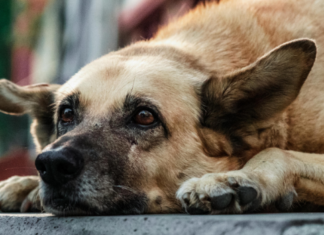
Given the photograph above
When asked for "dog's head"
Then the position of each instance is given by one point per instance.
(126, 131)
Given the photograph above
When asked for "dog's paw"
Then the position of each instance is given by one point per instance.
(20, 194)
(232, 192)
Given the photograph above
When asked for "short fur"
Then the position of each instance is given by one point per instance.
(239, 99)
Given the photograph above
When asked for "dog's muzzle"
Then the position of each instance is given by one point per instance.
(63, 193)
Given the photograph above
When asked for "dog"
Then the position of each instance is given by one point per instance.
(221, 112)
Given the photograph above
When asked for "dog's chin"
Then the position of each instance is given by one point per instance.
(73, 204)
(67, 207)
(69, 211)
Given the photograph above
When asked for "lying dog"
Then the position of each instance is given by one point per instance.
(213, 115)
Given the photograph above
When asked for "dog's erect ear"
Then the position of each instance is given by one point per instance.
(260, 90)
(35, 100)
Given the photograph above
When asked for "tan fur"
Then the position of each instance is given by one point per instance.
(240, 59)
(19, 191)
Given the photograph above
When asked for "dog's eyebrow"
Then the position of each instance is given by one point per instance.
(132, 102)
(72, 100)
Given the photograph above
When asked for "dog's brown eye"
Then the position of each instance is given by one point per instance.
(144, 117)
(67, 115)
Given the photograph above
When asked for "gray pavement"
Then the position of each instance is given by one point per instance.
(260, 224)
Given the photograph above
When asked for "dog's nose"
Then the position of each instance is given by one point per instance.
(57, 167)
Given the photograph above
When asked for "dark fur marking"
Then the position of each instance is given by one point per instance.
(181, 175)
(158, 200)
(43, 114)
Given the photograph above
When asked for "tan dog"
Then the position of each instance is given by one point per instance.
(213, 115)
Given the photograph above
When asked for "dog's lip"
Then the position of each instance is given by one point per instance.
(64, 205)
(61, 201)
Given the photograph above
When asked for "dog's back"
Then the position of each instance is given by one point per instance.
(234, 33)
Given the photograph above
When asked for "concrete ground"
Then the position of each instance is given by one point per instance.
(259, 224)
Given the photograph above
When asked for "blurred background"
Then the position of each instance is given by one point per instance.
(50, 40)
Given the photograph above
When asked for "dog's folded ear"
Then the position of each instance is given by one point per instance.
(36, 100)
(260, 90)
(18, 100)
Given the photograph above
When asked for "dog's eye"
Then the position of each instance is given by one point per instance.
(67, 115)
(144, 117)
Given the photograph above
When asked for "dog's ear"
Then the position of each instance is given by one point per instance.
(18, 100)
(260, 90)
(33, 99)
(36, 100)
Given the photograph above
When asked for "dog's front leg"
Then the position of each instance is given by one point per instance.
(272, 176)
(20, 194)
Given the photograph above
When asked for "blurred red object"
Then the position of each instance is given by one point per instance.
(142, 21)
(16, 163)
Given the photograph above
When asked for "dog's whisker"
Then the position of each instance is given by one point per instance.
(125, 187)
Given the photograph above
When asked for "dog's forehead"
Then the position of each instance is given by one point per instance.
(106, 82)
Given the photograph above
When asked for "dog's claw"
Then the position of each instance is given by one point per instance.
(197, 209)
(186, 198)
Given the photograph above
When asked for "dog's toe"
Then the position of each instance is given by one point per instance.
(186, 199)
(31, 202)
(221, 202)
(285, 203)
(246, 195)
(254, 206)
(220, 193)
